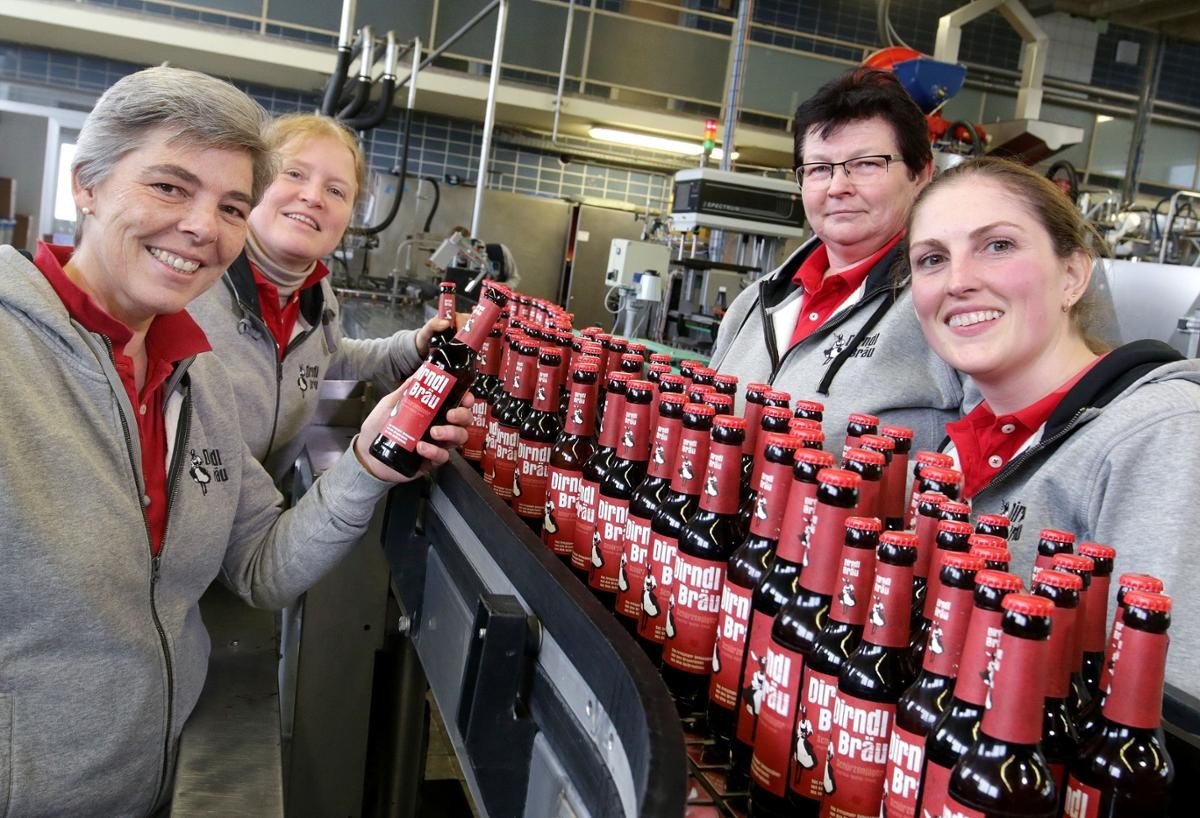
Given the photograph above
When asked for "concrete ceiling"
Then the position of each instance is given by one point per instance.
(1179, 19)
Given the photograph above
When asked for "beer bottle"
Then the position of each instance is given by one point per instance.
(857, 425)
(954, 510)
(896, 479)
(1124, 770)
(1095, 611)
(435, 388)
(1089, 720)
(1060, 742)
(1051, 541)
(705, 376)
(696, 391)
(632, 363)
(539, 432)
(923, 703)
(660, 358)
(834, 645)
(779, 585)
(639, 350)
(886, 447)
(953, 536)
(483, 388)
(956, 730)
(1004, 772)
(772, 419)
(687, 480)
(869, 686)
(508, 365)
(928, 518)
(793, 634)
(996, 555)
(747, 567)
(755, 401)
(646, 501)
(920, 461)
(687, 368)
(724, 405)
(447, 306)
(810, 410)
(573, 448)
(868, 465)
(628, 468)
(725, 383)
(614, 348)
(511, 417)
(706, 543)
(995, 525)
(1081, 566)
(594, 470)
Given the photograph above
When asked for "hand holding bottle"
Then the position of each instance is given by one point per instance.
(449, 436)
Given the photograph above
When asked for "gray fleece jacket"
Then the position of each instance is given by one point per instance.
(276, 399)
(1118, 463)
(871, 357)
(102, 651)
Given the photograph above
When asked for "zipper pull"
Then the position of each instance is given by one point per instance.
(155, 564)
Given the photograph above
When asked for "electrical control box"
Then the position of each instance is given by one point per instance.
(741, 202)
(626, 257)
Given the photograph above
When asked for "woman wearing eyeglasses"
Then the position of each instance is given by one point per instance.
(829, 324)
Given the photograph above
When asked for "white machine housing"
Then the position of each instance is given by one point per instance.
(740, 202)
(627, 257)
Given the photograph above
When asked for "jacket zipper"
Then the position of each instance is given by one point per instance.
(1015, 464)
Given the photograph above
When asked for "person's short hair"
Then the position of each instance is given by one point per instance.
(196, 109)
(1069, 231)
(289, 127)
(859, 94)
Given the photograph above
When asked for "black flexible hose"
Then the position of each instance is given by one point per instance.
(336, 81)
(402, 171)
(437, 200)
(374, 116)
(358, 98)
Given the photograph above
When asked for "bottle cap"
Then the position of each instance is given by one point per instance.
(640, 349)
(632, 358)
(807, 433)
(672, 379)
(1148, 601)
(987, 541)
(994, 520)
(935, 459)
(1001, 580)
(728, 380)
(705, 372)
(760, 388)
(940, 474)
(1074, 562)
(1055, 535)
(932, 498)
(660, 358)
(588, 364)
(816, 457)
(901, 432)
(1028, 604)
(964, 561)
(877, 442)
(1097, 551)
(1059, 579)
(782, 440)
(646, 386)
(778, 396)
(809, 406)
(862, 419)
(699, 409)
(953, 507)
(776, 412)
(992, 553)
(867, 456)
(730, 421)
(906, 539)
(672, 397)
(865, 523)
(839, 478)
(959, 527)
(591, 348)
(805, 423)
(660, 369)
(623, 377)
(719, 401)
(1140, 582)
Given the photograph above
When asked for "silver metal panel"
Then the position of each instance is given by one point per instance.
(550, 794)
(1150, 298)
(596, 229)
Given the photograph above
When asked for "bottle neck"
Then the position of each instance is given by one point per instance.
(890, 606)
(948, 631)
(610, 422)
(581, 409)
(1136, 687)
(722, 476)
(524, 377)
(634, 442)
(691, 462)
(545, 394)
(801, 503)
(663, 446)
(823, 536)
(1015, 713)
(769, 503)
(488, 362)
(479, 323)
(982, 640)
(1095, 614)
(855, 580)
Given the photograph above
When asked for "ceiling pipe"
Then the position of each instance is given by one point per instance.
(337, 80)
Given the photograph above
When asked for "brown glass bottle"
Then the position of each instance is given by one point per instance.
(647, 499)
(436, 388)
(754, 402)
(572, 449)
(687, 481)
(921, 461)
(1060, 742)
(723, 404)
(779, 585)
(747, 567)
(706, 543)
(923, 703)
(725, 383)
(868, 465)
(886, 447)
(508, 364)
(956, 730)
(1051, 541)
(857, 425)
(539, 432)
(512, 416)
(632, 363)
(483, 388)
(953, 536)
(594, 470)
(895, 498)
(995, 557)
(1125, 770)
(772, 419)
(627, 469)
(793, 634)
(809, 410)
(835, 644)
(1004, 772)
(928, 518)
(1081, 566)
(1095, 615)
(869, 686)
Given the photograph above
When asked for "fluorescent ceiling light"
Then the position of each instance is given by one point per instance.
(1103, 118)
(658, 143)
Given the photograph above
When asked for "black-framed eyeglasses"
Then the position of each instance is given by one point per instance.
(859, 169)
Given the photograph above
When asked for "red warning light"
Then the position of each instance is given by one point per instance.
(710, 135)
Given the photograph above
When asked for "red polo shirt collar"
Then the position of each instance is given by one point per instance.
(823, 293)
(169, 340)
(985, 442)
(282, 320)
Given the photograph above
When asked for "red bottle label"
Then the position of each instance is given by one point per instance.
(724, 473)
(801, 503)
(446, 307)
(902, 781)
(530, 480)
(948, 631)
(1135, 699)
(1040, 562)
(1096, 614)
(504, 461)
(978, 659)
(771, 499)
(953, 809)
(868, 498)
(890, 609)
(1059, 656)
(581, 410)
(487, 463)
(545, 390)
(773, 739)
(895, 479)
(856, 579)
(926, 543)
(857, 757)
(476, 432)
(659, 585)
(634, 442)
(585, 524)
(605, 564)
(693, 610)
(414, 413)
(934, 789)
(1114, 642)
(562, 490)
(664, 447)
(754, 677)
(1020, 672)
(693, 456)
(731, 644)
(823, 536)
(817, 695)
(1081, 800)
(635, 564)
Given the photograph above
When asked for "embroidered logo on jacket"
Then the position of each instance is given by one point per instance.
(835, 347)
(1015, 511)
(206, 467)
(309, 375)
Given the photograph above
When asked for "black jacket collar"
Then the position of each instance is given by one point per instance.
(240, 279)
